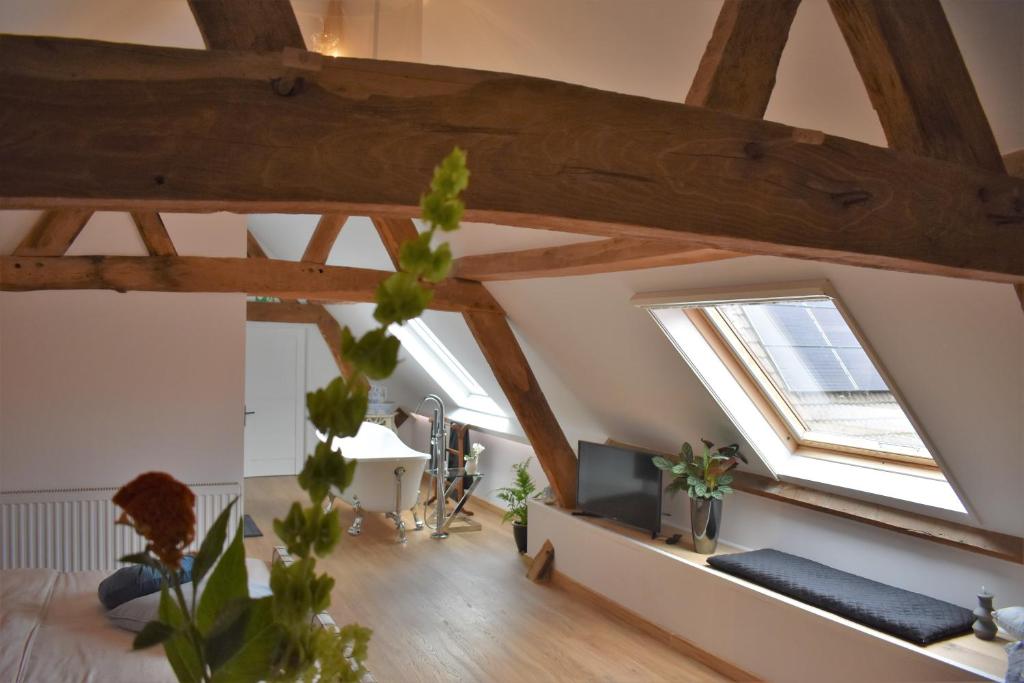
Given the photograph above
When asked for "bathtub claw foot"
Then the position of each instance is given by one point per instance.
(416, 519)
(357, 523)
(399, 525)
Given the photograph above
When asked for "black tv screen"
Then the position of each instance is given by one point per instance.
(620, 484)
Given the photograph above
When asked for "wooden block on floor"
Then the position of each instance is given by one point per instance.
(543, 563)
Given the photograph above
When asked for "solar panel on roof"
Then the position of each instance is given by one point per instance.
(812, 347)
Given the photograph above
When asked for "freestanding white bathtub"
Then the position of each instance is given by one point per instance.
(387, 478)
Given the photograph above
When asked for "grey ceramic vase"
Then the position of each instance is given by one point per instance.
(705, 522)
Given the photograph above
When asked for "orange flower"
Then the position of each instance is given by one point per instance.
(161, 509)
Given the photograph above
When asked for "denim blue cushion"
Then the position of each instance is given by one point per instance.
(135, 581)
(1015, 670)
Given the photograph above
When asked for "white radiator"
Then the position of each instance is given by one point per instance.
(74, 530)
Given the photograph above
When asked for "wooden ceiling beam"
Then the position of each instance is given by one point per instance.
(154, 233)
(586, 258)
(639, 167)
(324, 237)
(284, 312)
(53, 233)
(257, 25)
(737, 72)
(255, 277)
(917, 80)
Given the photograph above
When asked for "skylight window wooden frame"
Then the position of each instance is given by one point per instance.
(770, 401)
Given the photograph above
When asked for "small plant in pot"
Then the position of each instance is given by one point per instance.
(515, 498)
(707, 480)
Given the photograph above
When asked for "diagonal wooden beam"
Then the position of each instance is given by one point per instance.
(154, 233)
(638, 167)
(330, 330)
(393, 232)
(324, 236)
(53, 233)
(510, 367)
(310, 312)
(256, 277)
(258, 25)
(586, 258)
(737, 72)
(1014, 162)
(253, 248)
(917, 80)
(505, 356)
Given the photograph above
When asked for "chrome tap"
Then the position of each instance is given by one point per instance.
(439, 457)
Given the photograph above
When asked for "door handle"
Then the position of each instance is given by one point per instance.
(245, 415)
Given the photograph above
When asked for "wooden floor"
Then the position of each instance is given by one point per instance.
(462, 609)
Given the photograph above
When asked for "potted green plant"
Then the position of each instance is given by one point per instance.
(516, 498)
(707, 481)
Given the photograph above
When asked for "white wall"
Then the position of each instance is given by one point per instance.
(97, 387)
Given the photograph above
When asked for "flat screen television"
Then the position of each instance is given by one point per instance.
(621, 484)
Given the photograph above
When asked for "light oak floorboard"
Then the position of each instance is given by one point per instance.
(463, 610)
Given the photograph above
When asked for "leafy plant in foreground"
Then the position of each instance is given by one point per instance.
(223, 635)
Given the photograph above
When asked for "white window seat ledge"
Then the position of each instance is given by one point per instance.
(928, 495)
(769, 636)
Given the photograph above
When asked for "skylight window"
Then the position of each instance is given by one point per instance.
(809, 363)
(424, 346)
(789, 367)
(802, 364)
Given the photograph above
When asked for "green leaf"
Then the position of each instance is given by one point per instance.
(440, 264)
(725, 479)
(183, 658)
(679, 470)
(399, 298)
(227, 635)
(375, 353)
(724, 489)
(687, 452)
(328, 533)
(262, 637)
(144, 558)
(228, 581)
(415, 255)
(662, 463)
(451, 176)
(212, 545)
(338, 409)
(153, 633)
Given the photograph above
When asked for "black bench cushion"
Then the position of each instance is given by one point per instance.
(901, 613)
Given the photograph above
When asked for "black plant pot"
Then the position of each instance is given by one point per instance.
(520, 533)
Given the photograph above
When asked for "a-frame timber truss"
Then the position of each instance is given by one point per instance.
(257, 124)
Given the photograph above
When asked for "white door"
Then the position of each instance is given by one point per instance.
(275, 370)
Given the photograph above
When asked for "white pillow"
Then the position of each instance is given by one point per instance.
(135, 614)
(1011, 620)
